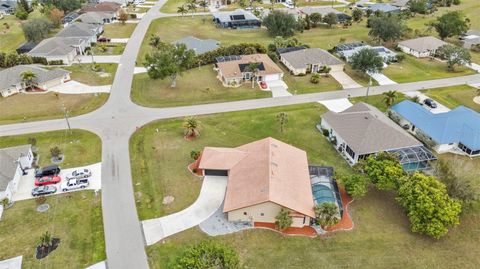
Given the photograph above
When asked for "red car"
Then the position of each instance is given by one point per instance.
(47, 180)
(263, 84)
(103, 39)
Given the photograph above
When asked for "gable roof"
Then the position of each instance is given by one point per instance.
(236, 15)
(423, 44)
(233, 68)
(8, 165)
(266, 170)
(103, 6)
(56, 46)
(309, 10)
(78, 29)
(12, 76)
(200, 46)
(461, 124)
(366, 130)
(95, 17)
(304, 57)
(400, 3)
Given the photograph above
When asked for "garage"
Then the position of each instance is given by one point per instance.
(272, 77)
(213, 172)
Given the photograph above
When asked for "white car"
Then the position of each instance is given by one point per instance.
(74, 184)
(79, 173)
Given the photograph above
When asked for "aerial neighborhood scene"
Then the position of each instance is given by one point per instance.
(239, 134)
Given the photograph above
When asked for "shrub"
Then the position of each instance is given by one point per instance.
(384, 170)
(194, 154)
(315, 78)
(55, 62)
(356, 184)
(325, 132)
(208, 254)
(55, 152)
(283, 219)
(400, 57)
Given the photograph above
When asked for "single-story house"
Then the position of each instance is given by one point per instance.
(111, 7)
(470, 38)
(263, 177)
(13, 163)
(98, 18)
(341, 17)
(311, 60)
(60, 48)
(452, 131)
(238, 18)
(200, 46)
(346, 51)
(7, 7)
(402, 4)
(26, 47)
(421, 47)
(289, 49)
(385, 8)
(363, 130)
(233, 70)
(11, 81)
(87, 31)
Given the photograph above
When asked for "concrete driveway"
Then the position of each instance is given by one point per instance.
(99, 58)
(120, 40)
(382, 79)
(278, 88)
(210, 199)
(440, 108)
(75, 87)
(336, 105)
(345, 80)
(27, 182)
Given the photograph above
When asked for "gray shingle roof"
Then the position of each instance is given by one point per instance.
(56, 46)
(321, 10)
(95, 17)
(11, 76)
(8, 165)
(423, 44)
(198, 45)
(78, 29)
(367, 130)
(226, 16)
(300, 58)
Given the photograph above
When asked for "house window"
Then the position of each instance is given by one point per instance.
(245, 213)
(350, 152)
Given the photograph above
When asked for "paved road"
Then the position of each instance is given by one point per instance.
(118, 119)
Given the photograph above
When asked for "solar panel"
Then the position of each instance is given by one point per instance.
(227, 58)
(237, 17)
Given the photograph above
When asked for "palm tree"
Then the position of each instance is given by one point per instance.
(27, 78)
(253, 68)
(204, 4)
(327, 214)
(389, 98)
(154, 41)
(191, 126)
(192, 7)
(282, 118)
(182, 10)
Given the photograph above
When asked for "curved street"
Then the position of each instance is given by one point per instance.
(116, 121)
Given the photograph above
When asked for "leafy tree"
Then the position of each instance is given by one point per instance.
(389, 98)
(282, 119)
(27, 78)
(55, 152)
(387, 28)
(330, 19)
(429, 208)
(368, 13)
(56, 16)
(283, 220)
(253, 68)
(37, 29)
(169, 61)
(356, 184)
(454, 56)
(122, 16)
(450, 24)
(327, 214)
(154, 41)
(65, 5)
(357, 14)
(366, 61)
(280, 42)
(315, 18)
(25, 6)
(21, 13)
(280, 24)
(191, 126)
(208, 254)
(418, 6)
(384, 170)
(182, 10)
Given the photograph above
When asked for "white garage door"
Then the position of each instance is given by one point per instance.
(272, 77)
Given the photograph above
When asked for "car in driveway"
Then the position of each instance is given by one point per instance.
(103, 39)
(47, 180)
(430, 103)
(74, 184)
(47, 171)
(263, 85)
(79, 173)
(44, 190)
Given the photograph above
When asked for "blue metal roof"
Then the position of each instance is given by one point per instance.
(461, 124)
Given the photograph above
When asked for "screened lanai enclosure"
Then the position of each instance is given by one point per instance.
(324, 187)
(414, 158)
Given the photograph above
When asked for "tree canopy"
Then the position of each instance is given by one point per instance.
(280, 24)
(283, 219)
(208, 254)
(450, 24)
(65, 5)
(366, 61)
(386, 28)
(36, 30)
(454, 56)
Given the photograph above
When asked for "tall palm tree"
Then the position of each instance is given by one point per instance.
(182, 10)
(282, 119)
(253, 68)
(192, 7)
(389, 98)
(27, 78)
(191, 126)
(204, 4)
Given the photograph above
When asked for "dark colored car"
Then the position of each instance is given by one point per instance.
(47, 180)
(430, 103)
(103, 39)
(43, 190)
(47, 171)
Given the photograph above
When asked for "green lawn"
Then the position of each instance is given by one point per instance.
(25, 107)
(196, 86)
(12, 37)
(302, 84)
(75, 218)
(111, 49)
(377, 100)
(160, 154)
(83, 73)
(413, 69)
(359, 77)
(455, 96)
(79, 147)
(119, 30)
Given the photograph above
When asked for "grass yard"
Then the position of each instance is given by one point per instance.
(413, 69)
(160, 154)
(118, 30)
(25, 107)
(360, 78)
(83, 73)
(377, 100)
(75, 218)
(79, 147)
(302, 84)
(111, 49)
(11, 37)
(455, 96)
(196, 86)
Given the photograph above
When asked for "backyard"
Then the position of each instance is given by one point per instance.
(455, 96)
(24, 107)
(85, 74)
(195, 86)
(118, 30)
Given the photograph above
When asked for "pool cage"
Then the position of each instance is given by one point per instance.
(414, 158)
(324, 188)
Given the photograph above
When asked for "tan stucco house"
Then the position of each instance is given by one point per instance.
(263, 177)
(310, 60)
